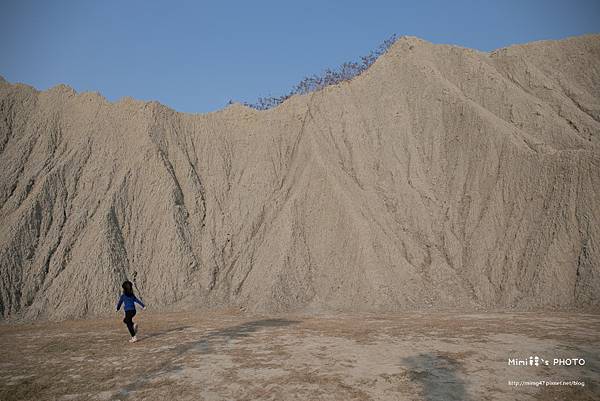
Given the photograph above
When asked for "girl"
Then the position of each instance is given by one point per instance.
(129, 300)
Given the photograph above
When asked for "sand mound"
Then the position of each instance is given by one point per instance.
(440, 177)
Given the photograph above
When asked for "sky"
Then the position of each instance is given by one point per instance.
(194, 56)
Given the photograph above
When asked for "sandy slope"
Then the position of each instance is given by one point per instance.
(441, 177)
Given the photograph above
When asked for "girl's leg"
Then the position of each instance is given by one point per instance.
(133, 325)
(129, 314)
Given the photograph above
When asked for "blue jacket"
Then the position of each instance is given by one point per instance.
(129, 302)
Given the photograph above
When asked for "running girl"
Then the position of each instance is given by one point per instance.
(129, 300)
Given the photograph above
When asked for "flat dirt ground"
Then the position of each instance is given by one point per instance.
(227, 356)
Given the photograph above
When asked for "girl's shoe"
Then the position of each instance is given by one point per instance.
(133, 339)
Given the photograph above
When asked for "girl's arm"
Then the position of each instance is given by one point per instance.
(120, 302)
(135, 299)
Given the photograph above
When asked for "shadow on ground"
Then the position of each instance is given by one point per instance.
(438, 377)
(205, 344)
(164, 332)
(224, 336)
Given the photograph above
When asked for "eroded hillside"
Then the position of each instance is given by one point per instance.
(440, 177)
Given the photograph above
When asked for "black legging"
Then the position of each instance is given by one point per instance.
(129, 314)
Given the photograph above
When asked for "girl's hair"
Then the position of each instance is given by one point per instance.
(128, 288)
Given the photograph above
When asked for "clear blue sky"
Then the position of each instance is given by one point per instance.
(195, 55)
